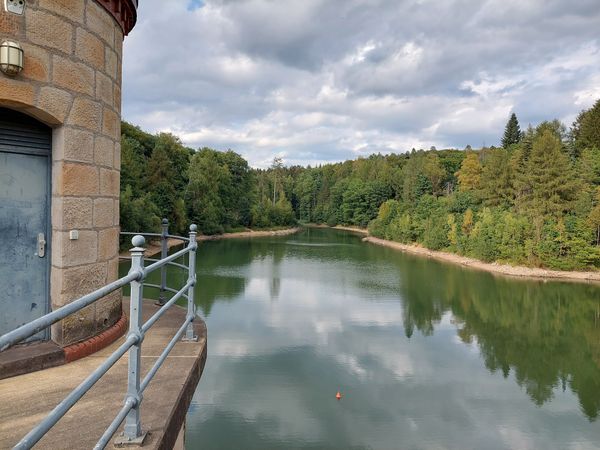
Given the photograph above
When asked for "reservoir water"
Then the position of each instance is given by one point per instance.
(426, 355)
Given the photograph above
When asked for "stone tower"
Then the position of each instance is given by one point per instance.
(60, 161)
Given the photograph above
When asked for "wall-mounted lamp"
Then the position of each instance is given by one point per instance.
(11, 58)
(14, 6)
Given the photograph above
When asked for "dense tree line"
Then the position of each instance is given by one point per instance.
(160, 177)
(534, 201)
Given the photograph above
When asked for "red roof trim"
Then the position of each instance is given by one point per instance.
(124, 12)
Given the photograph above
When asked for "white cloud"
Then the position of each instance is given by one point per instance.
(326, 80)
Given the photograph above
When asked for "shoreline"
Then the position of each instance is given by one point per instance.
(494, 268)
(154, 247)
(353, 229)
(249, 234)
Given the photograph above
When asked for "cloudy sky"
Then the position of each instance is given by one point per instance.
(327, 80)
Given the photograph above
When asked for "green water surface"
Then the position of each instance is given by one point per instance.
(427, 355)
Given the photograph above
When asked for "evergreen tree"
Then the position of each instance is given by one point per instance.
(518, 166)
(497, 179)
(512, 132)
(276, 168)
(585, 131)
(552, 181)
(594, 219)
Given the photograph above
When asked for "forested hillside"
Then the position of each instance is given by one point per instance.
(160, 177)
(534, 201)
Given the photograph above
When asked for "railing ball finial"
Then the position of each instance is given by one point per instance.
(138, 241)
(193, 228)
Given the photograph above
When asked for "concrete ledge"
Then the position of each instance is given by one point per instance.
(29, 358)
(26, 399)
(36, 356)
(176, 420)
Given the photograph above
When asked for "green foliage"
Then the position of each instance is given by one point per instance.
(469, 175)
(146, 141)
(210, 181)
(564, 244)
(401, 229)
(387, 212)
(484, 238)
(512, 132)
(265, 214)
(459, 202)
(133, 166)
(361, 201)
(137, 213)
(423, 174)
(217, 190)
(532, 202)
(585, 132)
(497, 179)
(436, 226)
(551, 181)
(527, 203)
(513, 234)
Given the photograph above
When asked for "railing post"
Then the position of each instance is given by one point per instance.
(132, 433)
(191, 307)
(163, 254)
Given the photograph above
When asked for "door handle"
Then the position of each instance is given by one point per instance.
(41, 245)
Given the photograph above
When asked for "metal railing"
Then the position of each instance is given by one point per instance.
(130, 412)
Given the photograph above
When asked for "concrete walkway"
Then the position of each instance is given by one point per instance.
(26, 399)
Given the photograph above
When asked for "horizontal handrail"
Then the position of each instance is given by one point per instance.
(164, 307)
(170, 236)
(170, 263)
(181, 238)
(157, 265)
(35, 326)
(166, 288)
(130, 411)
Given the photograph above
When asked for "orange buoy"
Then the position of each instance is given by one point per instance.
(338, 395)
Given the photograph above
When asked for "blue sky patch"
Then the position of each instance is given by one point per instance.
(195, 4)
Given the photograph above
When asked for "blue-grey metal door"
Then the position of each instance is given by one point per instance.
(24, 220)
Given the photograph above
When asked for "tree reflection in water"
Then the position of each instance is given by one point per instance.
(547, 333)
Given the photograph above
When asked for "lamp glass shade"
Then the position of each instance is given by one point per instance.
(11, 58)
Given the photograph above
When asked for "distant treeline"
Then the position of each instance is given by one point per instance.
(534, 201)
(218, 191)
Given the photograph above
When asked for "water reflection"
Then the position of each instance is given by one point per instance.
(428, 355)
(547, 333)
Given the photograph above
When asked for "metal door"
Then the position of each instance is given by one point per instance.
(24, 220)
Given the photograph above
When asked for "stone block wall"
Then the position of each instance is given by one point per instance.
(72, 82)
